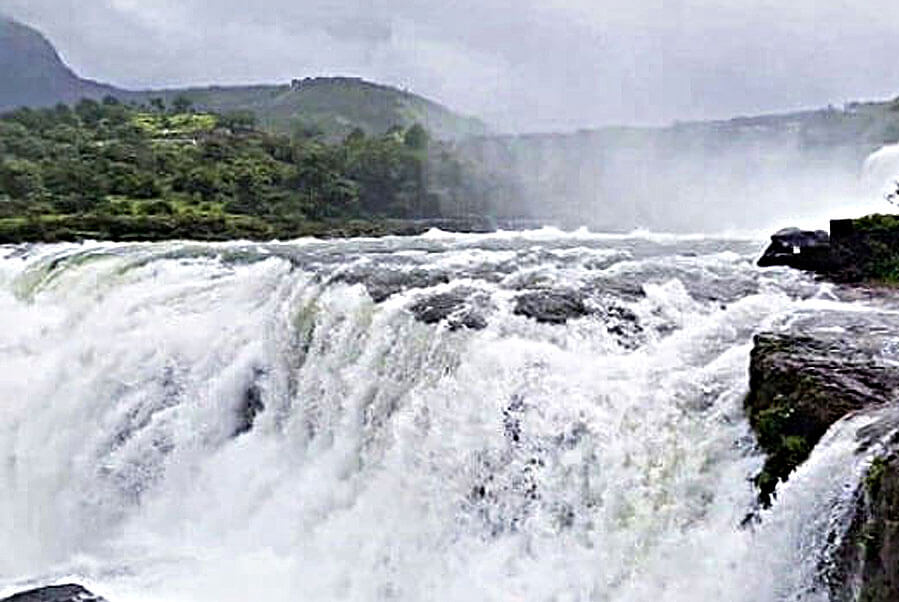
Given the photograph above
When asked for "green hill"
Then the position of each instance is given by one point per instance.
(34, 75)
(331, 106)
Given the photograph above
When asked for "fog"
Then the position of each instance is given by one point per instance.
(523, 65)
(721, 178)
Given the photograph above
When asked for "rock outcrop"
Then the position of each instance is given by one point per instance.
(856, 250)
(801, 249)
(802, 381)
(56, 593)
(551, 306)
(864, 563)
(826, 366)
(877, 541)
(462, 307)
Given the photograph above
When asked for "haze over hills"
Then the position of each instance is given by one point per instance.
(35, 75)
(690, 176)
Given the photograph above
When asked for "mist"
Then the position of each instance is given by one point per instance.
(705, 178)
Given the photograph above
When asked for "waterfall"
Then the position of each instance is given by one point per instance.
(880, 172)
(229, 421)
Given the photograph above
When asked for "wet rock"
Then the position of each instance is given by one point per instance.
(251, 405)
(865, 249)
(802, 249)
(551, 306)
(624, 325)
(864, 562)
(382, 284)
(55, 593)
(802, 381)
(458, 307)
(876, 536)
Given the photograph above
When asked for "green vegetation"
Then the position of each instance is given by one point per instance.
(787, 449)
(874, 477)
(878, 533)
(871, 249)
(331, 107)
(108, 170)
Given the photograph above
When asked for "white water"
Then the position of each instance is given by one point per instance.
(394, 460)
(880, 172)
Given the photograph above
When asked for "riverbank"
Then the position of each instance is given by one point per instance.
(828, 367)
(210, 228)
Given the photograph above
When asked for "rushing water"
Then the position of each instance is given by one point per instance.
(186, 422)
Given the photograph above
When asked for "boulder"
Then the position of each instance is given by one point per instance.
(457, 307)
(55, 593)
(801, 249)
(551, 306)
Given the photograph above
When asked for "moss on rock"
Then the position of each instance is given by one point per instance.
(801, 385)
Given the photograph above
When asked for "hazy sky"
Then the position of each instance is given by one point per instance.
(521, 64)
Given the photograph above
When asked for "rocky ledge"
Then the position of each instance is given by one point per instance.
(855, 250)
(826, 366)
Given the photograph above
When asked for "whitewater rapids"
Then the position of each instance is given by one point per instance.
(202, 422)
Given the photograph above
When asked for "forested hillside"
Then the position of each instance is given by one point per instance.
(113, 170)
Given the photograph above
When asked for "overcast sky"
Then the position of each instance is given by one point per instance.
(525, 65)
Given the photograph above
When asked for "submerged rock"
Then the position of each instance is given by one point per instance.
(55, 593)
(551, 306)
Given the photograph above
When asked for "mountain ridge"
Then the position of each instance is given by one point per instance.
(37, 76)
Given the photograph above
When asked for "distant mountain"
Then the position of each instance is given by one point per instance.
(33, 74)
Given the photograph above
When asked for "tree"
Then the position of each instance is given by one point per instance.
(89, 111)
(355, 138)
(238, 121)
(20, 178)
(182, 104)
(416, 138)
(158, 104)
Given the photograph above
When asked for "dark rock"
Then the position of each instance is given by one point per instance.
(624, 325)
(251, 405)
(55, 593)
(551, 306)
(801, 249)
(865, 249)
(877, 540)
(458, 307)
(382, 284)
(863, 563)
(802, 381)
